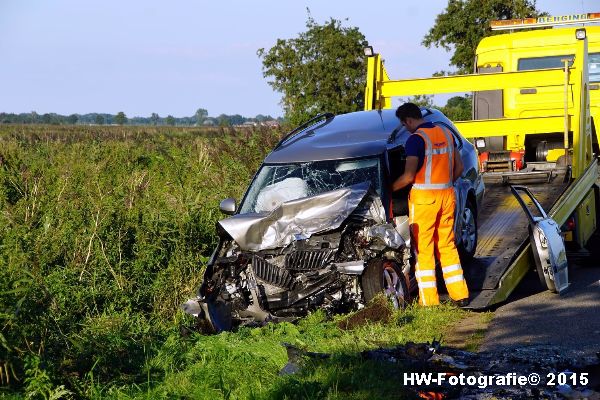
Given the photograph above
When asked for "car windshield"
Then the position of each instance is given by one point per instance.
(276, 184)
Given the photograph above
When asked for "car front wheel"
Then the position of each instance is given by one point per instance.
(385, 277)
(467, 241)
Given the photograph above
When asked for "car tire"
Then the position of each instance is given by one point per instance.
(385, 277)
(467, 241)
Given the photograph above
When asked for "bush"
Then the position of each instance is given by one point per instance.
(104, 231)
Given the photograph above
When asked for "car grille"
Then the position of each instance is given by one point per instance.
(272, 274)
(308, 259)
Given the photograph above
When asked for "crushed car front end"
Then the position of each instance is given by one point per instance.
(309, 236)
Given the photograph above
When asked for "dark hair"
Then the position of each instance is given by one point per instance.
(407, 110)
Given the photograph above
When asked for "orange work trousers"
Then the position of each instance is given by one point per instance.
(432, 232)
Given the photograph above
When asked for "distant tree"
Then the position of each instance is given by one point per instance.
(201, 115)
(170, 120)
(121, 118)
(422, 100)
(51, 118)
(459, 108)
(263, 118)
(72, 119)
(99, 119)
(465, 22)
(321, 70)
(154, 119)
(34, 117)
(236, 119)
(223, 120)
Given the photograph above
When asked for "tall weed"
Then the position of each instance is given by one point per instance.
(104, 231)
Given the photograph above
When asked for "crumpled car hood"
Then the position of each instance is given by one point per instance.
(299, 219)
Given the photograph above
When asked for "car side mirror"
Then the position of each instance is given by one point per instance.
(228, 206)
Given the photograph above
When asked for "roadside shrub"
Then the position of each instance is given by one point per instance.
(104, 231)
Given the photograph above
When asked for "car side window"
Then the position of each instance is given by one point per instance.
(457, 137)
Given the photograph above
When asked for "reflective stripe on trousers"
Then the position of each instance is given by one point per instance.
(432, 222)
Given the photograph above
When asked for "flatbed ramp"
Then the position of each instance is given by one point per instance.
(503, 233)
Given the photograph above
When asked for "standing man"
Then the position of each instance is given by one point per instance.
(433, 163)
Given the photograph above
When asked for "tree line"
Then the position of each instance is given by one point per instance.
(200, 118)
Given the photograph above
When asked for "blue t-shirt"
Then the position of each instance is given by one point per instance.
(415, 145)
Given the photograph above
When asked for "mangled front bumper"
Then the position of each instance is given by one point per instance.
(302, 256)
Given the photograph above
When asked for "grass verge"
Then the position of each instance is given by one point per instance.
(246, 364)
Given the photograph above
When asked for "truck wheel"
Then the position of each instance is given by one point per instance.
(467, 243)
(386, 277)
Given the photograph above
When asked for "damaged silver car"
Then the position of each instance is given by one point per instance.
(319, 228)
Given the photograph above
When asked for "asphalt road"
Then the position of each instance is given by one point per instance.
(535, 316)
(531, 316)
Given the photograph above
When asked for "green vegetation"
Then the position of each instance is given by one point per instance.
(321, 70)
(121, 118)
(105, 230)
(459, 108)
(465, 22)
(246, 364)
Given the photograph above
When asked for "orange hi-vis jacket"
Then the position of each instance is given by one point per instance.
(438, 165)
(432, 206)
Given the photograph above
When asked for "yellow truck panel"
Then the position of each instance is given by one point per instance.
(535, 50)
(586, 214)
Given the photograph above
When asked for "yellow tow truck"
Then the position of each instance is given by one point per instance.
(532, 124)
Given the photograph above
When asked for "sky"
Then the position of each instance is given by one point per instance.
(171, 58)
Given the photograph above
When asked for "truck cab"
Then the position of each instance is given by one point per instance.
(529, 51)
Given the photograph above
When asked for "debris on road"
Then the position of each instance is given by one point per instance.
(543, 360)
(295, 356)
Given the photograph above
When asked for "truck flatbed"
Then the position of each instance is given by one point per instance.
(503, 234)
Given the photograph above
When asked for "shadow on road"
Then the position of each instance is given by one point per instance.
(533, 316)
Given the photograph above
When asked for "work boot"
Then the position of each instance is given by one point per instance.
(461, 302)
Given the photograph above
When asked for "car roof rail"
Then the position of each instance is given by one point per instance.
(426, 111)
(326, 116)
